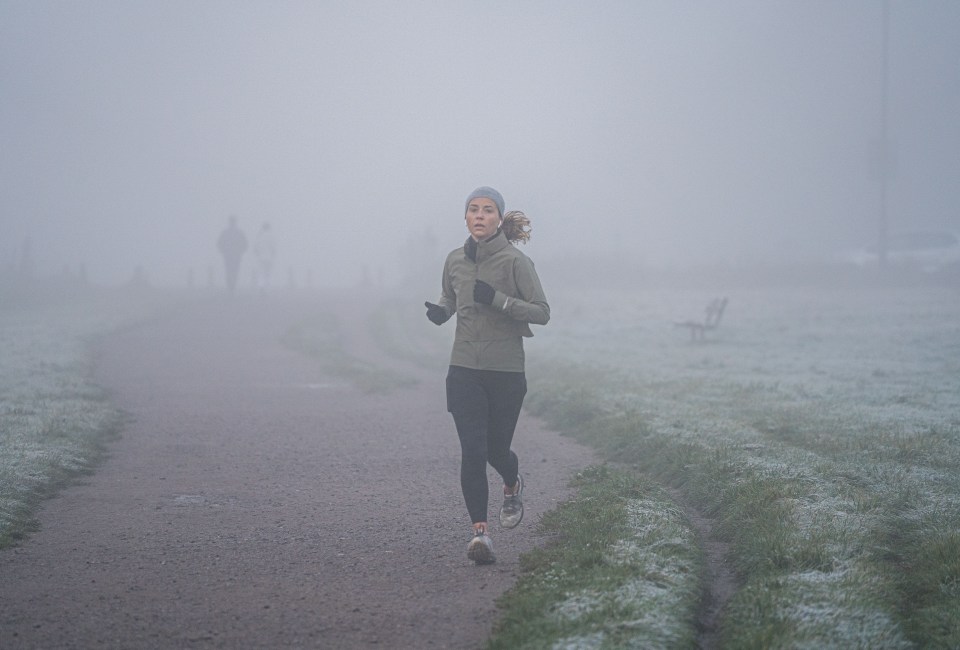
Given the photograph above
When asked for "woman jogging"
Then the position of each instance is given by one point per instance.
(494, 290)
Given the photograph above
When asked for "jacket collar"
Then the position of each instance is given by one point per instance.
(479, 251)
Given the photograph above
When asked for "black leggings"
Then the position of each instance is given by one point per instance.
(485, 405)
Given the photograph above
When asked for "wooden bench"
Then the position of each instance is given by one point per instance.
(711, 320)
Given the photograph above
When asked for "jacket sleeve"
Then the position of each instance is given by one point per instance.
(448, 297)
(530, 305)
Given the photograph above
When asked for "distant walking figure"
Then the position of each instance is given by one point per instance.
(232, 244)
(265, 250)
(494, 290)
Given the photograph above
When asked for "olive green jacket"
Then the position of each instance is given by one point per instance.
(490, 337)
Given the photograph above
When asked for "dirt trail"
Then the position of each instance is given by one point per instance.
(254, 502)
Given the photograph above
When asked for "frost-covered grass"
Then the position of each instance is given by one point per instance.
(622, 572)
(53, 419)
(819, 429)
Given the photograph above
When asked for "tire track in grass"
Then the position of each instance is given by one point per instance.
(719, 580)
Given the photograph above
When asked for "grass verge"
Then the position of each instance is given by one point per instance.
(621, 572)
(398, 330)
(55, 421)
(319, 337)
(835, 547)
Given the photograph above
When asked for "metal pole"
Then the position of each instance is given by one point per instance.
(885, 152)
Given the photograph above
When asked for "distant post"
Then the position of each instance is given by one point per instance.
(885, 149)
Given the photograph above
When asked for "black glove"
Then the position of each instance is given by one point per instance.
(483, 293)
(436, 313)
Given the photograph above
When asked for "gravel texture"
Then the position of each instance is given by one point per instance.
(255, 502)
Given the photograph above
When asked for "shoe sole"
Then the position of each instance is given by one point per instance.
(480, 552)
(520, 518)
(505, 523)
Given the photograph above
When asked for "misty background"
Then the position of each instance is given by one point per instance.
(666, 132)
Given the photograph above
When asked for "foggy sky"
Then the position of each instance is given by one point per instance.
(669, 131)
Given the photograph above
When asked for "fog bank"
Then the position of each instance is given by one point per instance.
(668, 133)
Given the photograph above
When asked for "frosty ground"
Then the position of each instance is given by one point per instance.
(818, 427)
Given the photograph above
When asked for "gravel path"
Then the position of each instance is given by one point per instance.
(255, 502)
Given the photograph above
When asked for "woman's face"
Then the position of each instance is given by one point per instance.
(482, 217)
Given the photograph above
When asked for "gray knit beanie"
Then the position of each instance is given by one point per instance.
(486, 193)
